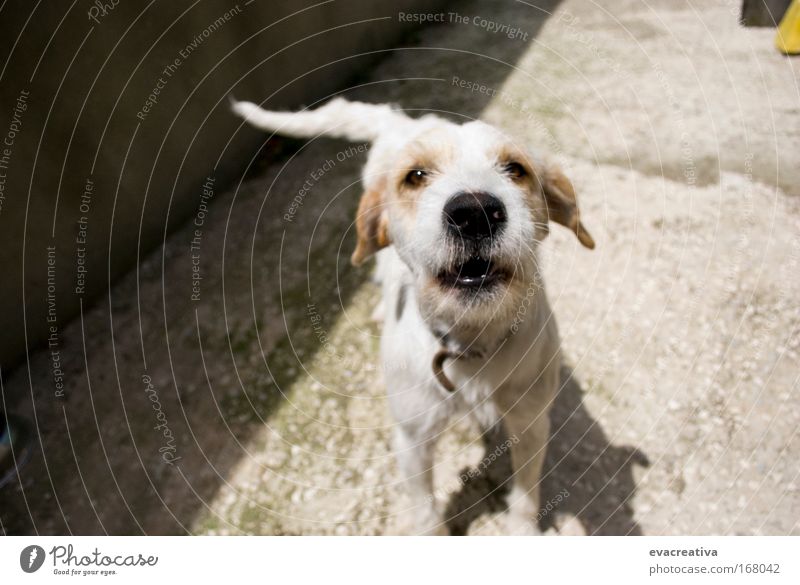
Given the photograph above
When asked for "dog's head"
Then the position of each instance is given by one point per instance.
(465, 207)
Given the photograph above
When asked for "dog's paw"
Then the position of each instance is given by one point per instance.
(569, 525)
(429, 523)
(438, 530)
(521, 525)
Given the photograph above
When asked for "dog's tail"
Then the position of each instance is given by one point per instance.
(339, 118)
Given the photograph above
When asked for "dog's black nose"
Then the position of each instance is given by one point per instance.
(474, 215)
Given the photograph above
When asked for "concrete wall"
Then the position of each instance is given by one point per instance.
(113, 115)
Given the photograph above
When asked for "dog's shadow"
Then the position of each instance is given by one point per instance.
(584, 475)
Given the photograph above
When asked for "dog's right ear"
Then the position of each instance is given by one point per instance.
(372, 227)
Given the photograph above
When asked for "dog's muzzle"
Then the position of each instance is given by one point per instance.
(473, 222)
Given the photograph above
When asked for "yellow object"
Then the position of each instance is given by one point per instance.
(788, 38)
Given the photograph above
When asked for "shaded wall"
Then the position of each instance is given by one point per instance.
(114, 124)
(763, 12)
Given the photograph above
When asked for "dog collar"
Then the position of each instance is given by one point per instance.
(444, 354)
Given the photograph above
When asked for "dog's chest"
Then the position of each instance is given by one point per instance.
(507, 367)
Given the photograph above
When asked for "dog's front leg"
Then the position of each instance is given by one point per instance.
(528, 439)
(415, 459)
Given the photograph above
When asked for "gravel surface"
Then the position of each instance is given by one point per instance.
(681, 132)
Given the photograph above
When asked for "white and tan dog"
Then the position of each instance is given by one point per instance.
(457, 212)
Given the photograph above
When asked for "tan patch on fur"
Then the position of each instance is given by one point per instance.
(429, 153)
(372, 227)
(509, 153)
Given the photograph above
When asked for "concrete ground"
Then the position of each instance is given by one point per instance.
(681, 132)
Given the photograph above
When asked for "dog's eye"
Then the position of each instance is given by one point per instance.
(415, 178)
(514, 170)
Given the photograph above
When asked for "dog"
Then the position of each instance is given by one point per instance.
(455, 214)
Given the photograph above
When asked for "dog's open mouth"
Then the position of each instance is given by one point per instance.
(475, 273)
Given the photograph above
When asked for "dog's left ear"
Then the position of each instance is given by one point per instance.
(372, 227)
(562, 203)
